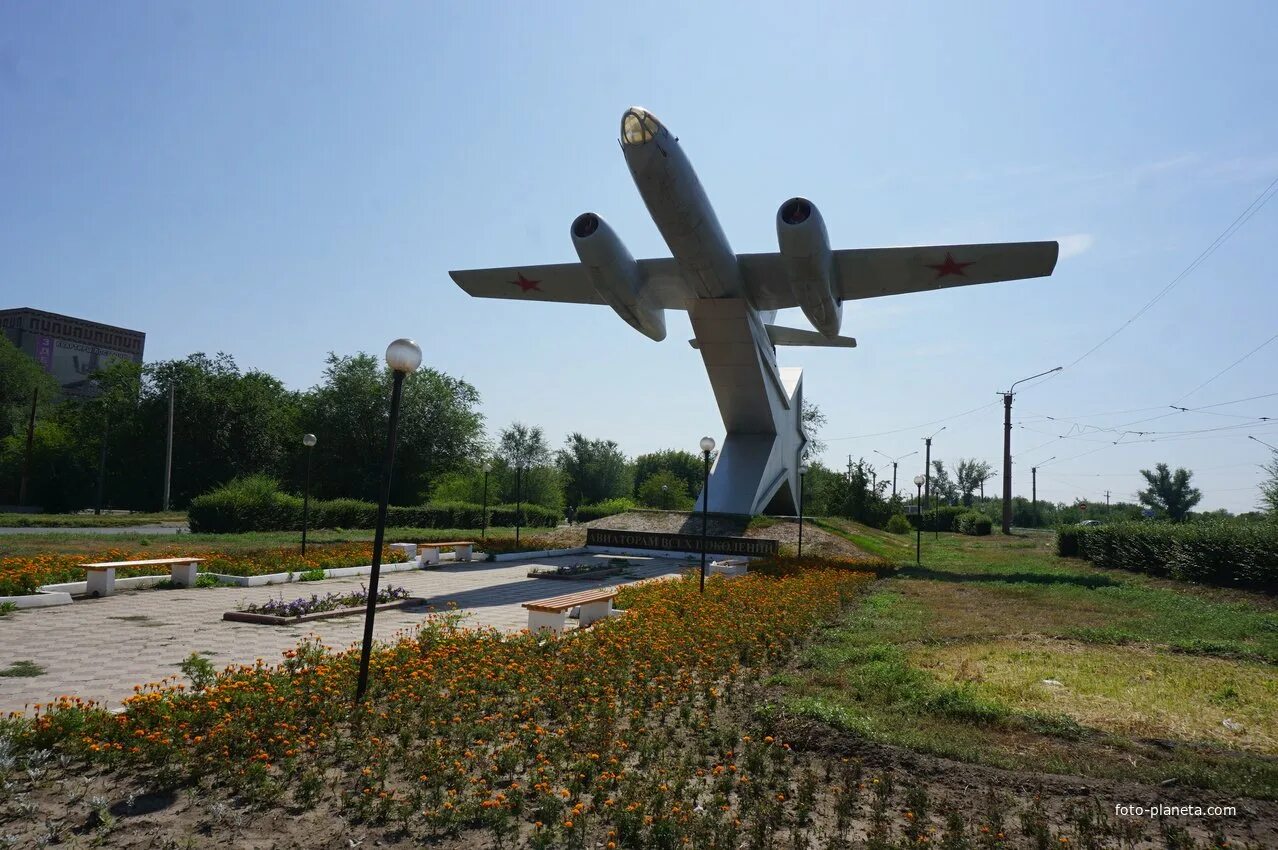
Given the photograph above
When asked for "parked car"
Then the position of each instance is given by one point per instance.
(1090, 522)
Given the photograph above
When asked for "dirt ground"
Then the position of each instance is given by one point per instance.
(815, 540)
(898, 796)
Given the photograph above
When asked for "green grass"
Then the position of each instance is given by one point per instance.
(88, 520)
(893, 547)
(22, 670)
(948, 659)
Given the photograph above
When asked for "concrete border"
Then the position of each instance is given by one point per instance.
(41, 599)
(273, 620)
(286, 578)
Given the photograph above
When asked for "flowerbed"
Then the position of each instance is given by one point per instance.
(627, 734)
(329, 602)
(507, 545)
(585, 570)
(21, 575)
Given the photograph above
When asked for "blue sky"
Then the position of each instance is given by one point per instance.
(280, 181)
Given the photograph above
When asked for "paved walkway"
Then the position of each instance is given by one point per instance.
(100, 648)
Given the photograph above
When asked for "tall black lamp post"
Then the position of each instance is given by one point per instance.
(488, 467)
(403, 356)
(308, 440)
(918, 529)
(519, 497)
(803, 472)
(707, 446)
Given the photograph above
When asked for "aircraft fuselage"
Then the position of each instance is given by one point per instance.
(679, 206)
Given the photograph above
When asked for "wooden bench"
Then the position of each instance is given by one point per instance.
(102, 576)
(428, 553)
(552, 614)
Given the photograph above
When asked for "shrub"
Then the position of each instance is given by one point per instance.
(941, 519)
(1225, 552)
(1067, 537)
(599, 510)
(974, 523)
(898, 524)
(256, 504)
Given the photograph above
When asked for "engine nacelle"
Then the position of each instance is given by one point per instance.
(615, 275)
(805, 248)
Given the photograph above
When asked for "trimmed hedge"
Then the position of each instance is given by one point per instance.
(599, 510)
(938, 520)
(255, 504)
(974, 523)
(1226, 553)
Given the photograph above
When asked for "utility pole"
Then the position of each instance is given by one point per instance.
(168, 452)
(1034, 491)
(895, 460)
(927, 483)
(1007, 447)
(102, 457)
(26, 462)
(1107, 498)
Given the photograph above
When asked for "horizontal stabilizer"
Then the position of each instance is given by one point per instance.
(795, 336)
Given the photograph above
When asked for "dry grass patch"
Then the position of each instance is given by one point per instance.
(1133, 691)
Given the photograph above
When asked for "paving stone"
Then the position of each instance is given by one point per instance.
(100, 648)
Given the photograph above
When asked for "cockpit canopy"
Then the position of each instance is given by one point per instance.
(638, 126)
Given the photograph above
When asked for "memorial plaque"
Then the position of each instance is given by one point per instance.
(748, 546)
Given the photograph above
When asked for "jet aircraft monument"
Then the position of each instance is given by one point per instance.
(732, 299)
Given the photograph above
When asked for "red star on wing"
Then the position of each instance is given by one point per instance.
(950, 266)
(525, 284)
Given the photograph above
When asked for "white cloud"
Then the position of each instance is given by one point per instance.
(1075, 244)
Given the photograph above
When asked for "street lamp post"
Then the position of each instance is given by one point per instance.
(403, 356)
(308, 440)
(918, 529)
(803, 471)
(484, 533)
(1007, 448)
(707, 446)
(519, 497)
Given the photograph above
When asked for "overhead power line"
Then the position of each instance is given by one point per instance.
(1234, 226)
(1227, 368)
(913, 427)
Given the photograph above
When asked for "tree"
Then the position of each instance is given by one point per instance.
(1269, 489)
(813, 421)
(440, 430)
(521, 446)
(943, 489)
(665, 490)
(687, 466)
(971, 474)
(20, 377)
(592, 470)
(1169, 494)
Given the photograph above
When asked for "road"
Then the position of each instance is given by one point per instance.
(167, 528)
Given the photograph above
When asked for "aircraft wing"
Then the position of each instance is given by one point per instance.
(570, 283)
(874, 272)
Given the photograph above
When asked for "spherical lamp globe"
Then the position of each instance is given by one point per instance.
(404, 355)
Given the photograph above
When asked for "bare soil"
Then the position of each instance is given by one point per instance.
(816, 541)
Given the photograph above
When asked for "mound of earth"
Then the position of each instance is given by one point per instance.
(785, 531)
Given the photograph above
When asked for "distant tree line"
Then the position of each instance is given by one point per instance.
(231, 423)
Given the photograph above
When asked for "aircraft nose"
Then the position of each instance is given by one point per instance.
(638, 126)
